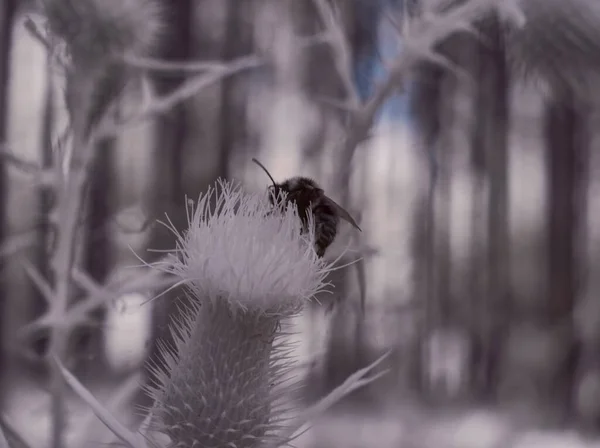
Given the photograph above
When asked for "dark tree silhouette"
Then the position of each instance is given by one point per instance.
(233, 132)
(490, 154)
(425, 102)
(567, 141)
(98, 251)
(7, 16)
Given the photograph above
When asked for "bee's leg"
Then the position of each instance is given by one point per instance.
(271, 336)
(320, 250)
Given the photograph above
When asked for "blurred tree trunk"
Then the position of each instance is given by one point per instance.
(7, 16)
(587, 391)
(233, 125)
(98, 253)
(564, 144)
(320, 80)
(435, 91)
(215, 119)
(445, 150)
(46, 198)
(491, 154)
(567, 152)
(443, 155)
(426, 97)
(437, 108)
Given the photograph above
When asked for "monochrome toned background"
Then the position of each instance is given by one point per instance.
(476, 193)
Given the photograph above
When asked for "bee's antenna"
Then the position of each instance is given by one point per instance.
(266, 171)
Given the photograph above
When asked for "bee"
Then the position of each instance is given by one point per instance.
(308, 195)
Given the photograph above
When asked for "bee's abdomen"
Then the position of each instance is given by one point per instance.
(326, 223)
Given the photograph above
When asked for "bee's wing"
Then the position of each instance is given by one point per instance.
(343, 213)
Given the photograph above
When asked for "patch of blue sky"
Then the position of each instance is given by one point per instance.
(370, 70)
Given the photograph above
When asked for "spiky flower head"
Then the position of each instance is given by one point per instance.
(90, 39)
(247, 266)
(100, 29)
(559, 44)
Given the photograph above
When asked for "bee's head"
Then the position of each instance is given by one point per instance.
(273, 191)
(302, 184)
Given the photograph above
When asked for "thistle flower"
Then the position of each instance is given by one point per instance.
(99, 29)
(95, 36)
(247, 266)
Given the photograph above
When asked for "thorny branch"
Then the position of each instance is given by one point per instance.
(17, 243)
(39, 281)
(341, 49)
(213, 73)
(32, 29)
(190, 88)
(418, 46)
(159, 65)
(41, 177)
(96, 296)
(61, 317)
(151, 64)
(70, 199)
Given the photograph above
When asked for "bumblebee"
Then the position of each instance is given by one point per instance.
(308, 195)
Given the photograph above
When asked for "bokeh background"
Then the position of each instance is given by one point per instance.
(476, 192)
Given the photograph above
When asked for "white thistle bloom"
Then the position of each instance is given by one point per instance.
(247, 266)
(247, 252)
